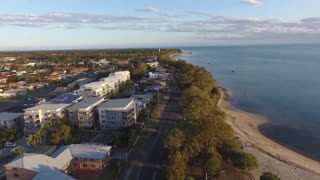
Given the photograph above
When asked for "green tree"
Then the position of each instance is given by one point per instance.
(8, 134)
(32, 140)
(244, 161)
(59, 134)
(139, 70)
(269, 176)
(18, 151)
(174, 140)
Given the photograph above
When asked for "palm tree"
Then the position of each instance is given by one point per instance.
(32, 140)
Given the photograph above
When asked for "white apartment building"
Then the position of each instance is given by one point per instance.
(105, 86)
(83, 112)
(117, 113)
(10, 120)
(37, 116)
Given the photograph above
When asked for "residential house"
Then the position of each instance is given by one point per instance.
(117, 113)
(83, 112)
(11, 120)
(75, 159)
(37, 116)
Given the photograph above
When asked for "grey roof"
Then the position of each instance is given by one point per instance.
(47, 107)
(7, 116)
(52, 175)
(65, 98)
(39, 162)
(86, 103)
(116, 103)
(87, 151)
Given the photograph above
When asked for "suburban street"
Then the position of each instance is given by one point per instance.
(155, 156)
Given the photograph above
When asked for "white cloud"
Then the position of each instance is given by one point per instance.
(195, 24)
(149, 9)
(252, 2)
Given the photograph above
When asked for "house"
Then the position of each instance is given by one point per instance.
(83, 112)
(89, 159)
(117, 113)
(153, 64)
(158, 75)
(75, 158)
(37, 116)
(11, 120)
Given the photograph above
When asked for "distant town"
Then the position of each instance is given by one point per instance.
(80, 114)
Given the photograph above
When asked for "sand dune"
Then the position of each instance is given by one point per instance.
(272, 156)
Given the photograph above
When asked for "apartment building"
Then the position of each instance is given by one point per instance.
(83, 112)
(37, 116)
(117, 113)
(105, 86)
(11, 120)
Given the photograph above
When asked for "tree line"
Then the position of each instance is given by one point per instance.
(202, 143)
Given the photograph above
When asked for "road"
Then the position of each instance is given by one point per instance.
(157, 154)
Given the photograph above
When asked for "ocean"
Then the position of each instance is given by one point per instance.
(281, 82)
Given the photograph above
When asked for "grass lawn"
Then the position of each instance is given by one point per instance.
(115, 170)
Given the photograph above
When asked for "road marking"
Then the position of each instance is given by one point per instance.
(98, 135)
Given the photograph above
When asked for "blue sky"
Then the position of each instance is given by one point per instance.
(69, 24)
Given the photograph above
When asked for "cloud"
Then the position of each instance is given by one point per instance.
(191, 24)
(252, 2)
(149, 9)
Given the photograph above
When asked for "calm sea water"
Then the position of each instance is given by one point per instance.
(279, 82)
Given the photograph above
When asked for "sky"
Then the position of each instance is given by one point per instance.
(87, 24)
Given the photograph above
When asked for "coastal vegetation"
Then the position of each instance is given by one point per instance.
(269, 176)
(201, 143)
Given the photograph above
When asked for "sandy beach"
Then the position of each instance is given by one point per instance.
(272, 156)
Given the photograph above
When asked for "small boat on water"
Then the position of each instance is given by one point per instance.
(233, 69)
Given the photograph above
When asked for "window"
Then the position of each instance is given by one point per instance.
(84, 165)
(16, 175)
(93, 166)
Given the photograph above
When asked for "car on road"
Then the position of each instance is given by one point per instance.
(10, 144)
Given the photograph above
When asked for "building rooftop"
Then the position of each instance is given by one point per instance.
(87, 151)
(8, 116)
(94, 85)
(116, 103)
(46, 106)
(38, 162)
(52, 175)
(86, 103)
(66, 98)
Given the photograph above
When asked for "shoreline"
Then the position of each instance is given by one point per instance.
(271, 155)
(172, 56)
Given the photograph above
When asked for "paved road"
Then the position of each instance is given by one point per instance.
(157, 154)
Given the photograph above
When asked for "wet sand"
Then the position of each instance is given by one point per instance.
(272, 156)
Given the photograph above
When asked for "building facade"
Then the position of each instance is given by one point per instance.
(83, 112)
(11, 120)
(117, 113)
(37, 116)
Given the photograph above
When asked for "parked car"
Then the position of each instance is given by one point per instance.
(10, 144)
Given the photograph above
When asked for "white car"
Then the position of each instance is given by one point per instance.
(10, 144)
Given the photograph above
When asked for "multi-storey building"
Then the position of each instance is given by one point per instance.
(11, 120)
(83, 112)
(117, 113)
(37, 116)
(105, 86)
